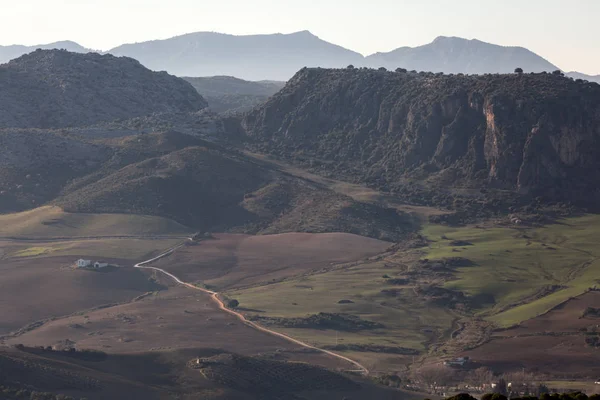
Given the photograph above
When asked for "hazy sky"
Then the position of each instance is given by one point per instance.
(567, 33)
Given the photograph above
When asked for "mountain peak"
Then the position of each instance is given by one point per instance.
(451, 54)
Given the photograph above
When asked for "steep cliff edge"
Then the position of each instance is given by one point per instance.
(533, 134)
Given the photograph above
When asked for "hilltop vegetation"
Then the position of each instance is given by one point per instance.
(56, 88)
(226, 93)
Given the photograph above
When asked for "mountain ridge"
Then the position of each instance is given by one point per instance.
(201, 64)
(450, 54)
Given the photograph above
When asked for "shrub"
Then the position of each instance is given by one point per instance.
(233, 304)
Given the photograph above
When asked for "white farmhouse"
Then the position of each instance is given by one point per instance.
(81, 263)
(100, 264)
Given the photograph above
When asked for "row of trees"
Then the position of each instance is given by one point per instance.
(544, 396)
(558, 72)
(518, 70)
(439, 378)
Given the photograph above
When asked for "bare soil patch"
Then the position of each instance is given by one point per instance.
(568, 317)
(233, 261)
(175, 319)
(554, 343)
(565, 357)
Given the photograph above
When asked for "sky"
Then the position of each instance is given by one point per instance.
(564, 32)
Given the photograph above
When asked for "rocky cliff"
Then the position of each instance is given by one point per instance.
(56, 88)
(536, 134)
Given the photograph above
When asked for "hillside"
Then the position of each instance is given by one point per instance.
(530, 134)
(56, 88)
(276, 56)
(174, 374)
(212, 190)
(8, 53)
(579, 75)
(457, 55)
(226, 93)
(184, 178)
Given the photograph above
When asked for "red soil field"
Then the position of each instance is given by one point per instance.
(552, 344)
(232, 261)
(174, 319)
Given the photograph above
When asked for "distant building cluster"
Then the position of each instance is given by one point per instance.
(81, 263)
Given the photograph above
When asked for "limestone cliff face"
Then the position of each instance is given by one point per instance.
(536, 134)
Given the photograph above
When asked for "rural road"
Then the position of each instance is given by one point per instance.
(215, 297)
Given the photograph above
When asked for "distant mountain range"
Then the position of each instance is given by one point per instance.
(280, 56)
(8, 53)
(254, 57)
(457, 55)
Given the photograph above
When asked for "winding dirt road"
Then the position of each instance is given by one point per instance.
(215, 297)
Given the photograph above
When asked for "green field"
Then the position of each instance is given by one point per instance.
(53, 222)
(405, 319)
(125, 249)
(527, 271)
(524, 271)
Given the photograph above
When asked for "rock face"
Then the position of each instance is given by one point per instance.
(56, 88)
(537, 134)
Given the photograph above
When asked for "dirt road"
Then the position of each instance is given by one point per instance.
(215, 297)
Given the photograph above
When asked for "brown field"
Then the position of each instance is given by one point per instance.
(33, 289)
(233, 261)
(551, 344)
(564, 318)
(174, 319)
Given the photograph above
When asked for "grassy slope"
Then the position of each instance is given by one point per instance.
(404, 318)
(48, 222)
(125, 249)
(516, 264)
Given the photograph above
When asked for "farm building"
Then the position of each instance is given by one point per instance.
(457, 362)
(100, 264)
(81, 263)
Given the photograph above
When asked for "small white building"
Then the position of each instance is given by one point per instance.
(457, 362)
(81, 263)
(100, 264)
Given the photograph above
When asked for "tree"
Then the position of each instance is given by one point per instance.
(518, 70)
(233, 304)
(435, 375)
(558, 72)
(480, 376)
(383, 69)
(401, 70)
(501, 387)
(350, 66)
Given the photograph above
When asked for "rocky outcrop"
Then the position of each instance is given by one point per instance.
(56, 89)
(536, 134)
